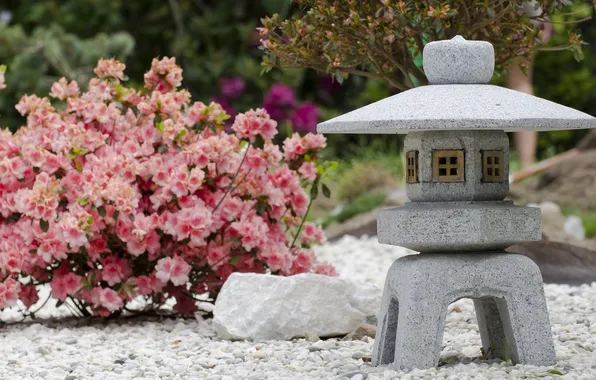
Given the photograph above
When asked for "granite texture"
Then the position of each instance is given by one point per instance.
(458, 106)
(458, 226)
(458, 61)
(509, 299)
(473, 188)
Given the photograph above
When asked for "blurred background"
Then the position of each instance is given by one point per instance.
(216, 44)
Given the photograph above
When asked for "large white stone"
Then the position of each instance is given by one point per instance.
(263, 307)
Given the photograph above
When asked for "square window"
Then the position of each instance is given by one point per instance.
(412, 167)
(448, 166)
(492, 166)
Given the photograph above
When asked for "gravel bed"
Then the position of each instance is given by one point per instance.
(68, 349)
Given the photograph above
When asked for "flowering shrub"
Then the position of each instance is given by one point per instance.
(115, 193)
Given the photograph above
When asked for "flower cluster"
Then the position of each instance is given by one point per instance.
(124, 193)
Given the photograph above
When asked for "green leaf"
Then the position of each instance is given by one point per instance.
(115, 214)
(555, 372)
(90, 220)
(260, 207)
(339, 77)
(101, 211)
(326, 191)
(59, 303)
(160, 127)
(234, 260)
(314, 191)
(578, 54)
(44, 225)
(181, 134)
(82, 201)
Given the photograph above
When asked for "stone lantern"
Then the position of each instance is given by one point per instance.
(457, 178)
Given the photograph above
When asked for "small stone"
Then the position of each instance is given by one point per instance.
(363, 330)
(44, 350)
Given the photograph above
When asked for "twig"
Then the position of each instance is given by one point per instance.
(233, 179)
(303, 221)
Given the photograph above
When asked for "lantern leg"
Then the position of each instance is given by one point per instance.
(508, 295)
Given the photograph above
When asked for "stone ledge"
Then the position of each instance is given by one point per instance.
(458, 226)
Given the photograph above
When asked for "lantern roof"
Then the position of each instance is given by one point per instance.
(458, 98)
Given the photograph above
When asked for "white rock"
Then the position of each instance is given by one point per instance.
(261, 307)
(574, 227)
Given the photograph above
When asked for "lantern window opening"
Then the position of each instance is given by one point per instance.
(492, 166)
(412, 166)
(448, 166)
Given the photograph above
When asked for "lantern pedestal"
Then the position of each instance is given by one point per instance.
(508, 297)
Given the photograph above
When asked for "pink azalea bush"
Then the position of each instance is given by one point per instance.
(116, 193)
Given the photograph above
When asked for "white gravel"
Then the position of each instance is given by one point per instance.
(185, 349)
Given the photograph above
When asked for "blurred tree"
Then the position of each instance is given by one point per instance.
(563, 79)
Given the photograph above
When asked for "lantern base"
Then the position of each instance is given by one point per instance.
(508, 296)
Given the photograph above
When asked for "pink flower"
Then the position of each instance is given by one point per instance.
(308, 170)
(312, 233)
(252, 123)
(294, 147)
(110, 68)
(172, 269)
(314, 141)
(143, 285)
(9, 293)
(72, 283)
(279, 101)
(231, 87)
(28, 295)
(325, 269)
(109, 299)
(58, 288)
(62, 89)
(303, 261)
(305, 118)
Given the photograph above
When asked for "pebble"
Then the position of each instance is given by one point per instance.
(143, 349)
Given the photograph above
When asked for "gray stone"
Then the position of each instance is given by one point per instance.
(509, 301)
(472, 143)
(458, 226)
(363, 330)
(458, 61)
(458, 106)
(262, 307)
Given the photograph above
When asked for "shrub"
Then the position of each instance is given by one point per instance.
(116, 193)
(384, 39)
